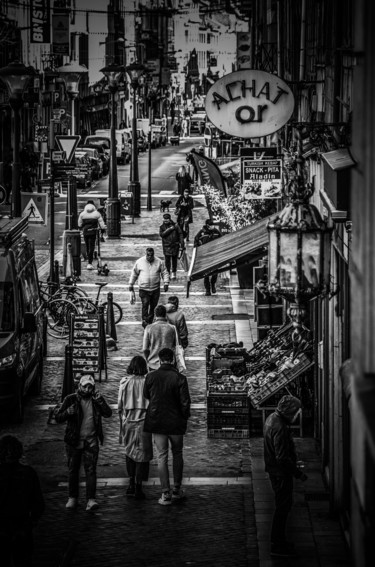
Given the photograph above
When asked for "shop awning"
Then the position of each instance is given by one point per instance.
(234, 248)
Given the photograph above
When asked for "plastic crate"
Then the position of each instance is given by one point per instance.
(228, 433)
(227, 411)
(224, 420)
(225, 401)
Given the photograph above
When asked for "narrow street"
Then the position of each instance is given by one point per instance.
(225, 518)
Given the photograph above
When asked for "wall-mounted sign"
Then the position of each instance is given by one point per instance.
(40, 21)
(249, 103)
(261, 178)
(60, 33)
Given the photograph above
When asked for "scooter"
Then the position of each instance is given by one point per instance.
(102, 269)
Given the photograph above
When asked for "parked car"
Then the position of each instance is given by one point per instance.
(97, 163)
(123, 148)
(197, 122)
(103, 155)
(83, 170)
(97, 140)
(160, 132)
(22, 320)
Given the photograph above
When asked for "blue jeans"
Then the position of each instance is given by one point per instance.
(149, 301)
(162, 448)
(90, 460)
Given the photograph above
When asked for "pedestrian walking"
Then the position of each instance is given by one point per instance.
(207, 233)
(183, 179)
(173, 243)
(90, 220)
(21, 504)
(148, 270)
(83, 412)
(177, 128)
(166, 418)
(176, 317)
(156, 336)
(184, 211)
(184, 127)
(132, 406)
(281, 465)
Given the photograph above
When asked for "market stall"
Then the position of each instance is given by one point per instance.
(241, 384)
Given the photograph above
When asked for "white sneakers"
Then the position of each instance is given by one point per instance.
(91, 505)
(90, 267)
(71, 504)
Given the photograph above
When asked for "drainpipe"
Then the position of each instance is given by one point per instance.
(302, 44)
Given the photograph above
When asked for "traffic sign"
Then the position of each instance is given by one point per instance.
(58, 156)
(68, 144)
(35, 207)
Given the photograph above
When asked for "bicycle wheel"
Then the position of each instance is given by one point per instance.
(58, 314)
(117, 311)
(71, 293)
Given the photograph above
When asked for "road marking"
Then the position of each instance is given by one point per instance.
(187, 481)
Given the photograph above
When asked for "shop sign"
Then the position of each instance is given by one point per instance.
(40, 24)
(261, 178)
(249, 103)
(60, 31)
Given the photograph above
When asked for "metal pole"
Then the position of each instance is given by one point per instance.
(134, 185)
(73, 117)
(16, 105)
(113, 203)
(149, 194)
(52, 219)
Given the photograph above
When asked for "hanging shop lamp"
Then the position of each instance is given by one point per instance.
(299, 252)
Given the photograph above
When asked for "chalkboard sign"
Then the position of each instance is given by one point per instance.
(87, 340)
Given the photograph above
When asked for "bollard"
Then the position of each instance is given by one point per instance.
(72, 237)
(110, 329)
(69, 267)
(68, 383)
(56, 274)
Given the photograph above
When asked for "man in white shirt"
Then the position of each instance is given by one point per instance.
(148, 270)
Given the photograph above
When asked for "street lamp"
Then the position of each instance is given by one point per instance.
(298, 261)
(113, 74)
(16, 76)
(72, 73)
(135, 71)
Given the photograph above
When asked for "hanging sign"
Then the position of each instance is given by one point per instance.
(40, 23)
(249, 103)
(60, 31)
(261, 178)
(34, 206)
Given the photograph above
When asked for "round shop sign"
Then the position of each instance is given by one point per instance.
(249, 103)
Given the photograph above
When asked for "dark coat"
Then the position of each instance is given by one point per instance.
(172, 238)
(206, 235)
(169, 407)
(279, 452)
(21, 498)
(74, 422)
(183, 182)
(185, 207)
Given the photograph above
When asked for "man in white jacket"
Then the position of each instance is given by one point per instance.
(148, 270)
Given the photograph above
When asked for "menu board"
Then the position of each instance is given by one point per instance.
(86, 345)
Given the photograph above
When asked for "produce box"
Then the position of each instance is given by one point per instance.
(259, 395)
(229, 433)
(225, 401)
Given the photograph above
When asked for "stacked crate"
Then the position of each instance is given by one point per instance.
(228, 408)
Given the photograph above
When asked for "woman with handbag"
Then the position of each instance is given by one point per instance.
(184, 212)
(132, 406)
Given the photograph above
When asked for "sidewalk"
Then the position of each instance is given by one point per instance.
(226, 517)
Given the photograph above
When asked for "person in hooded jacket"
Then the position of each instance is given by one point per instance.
(177, 318)
(281, 465)
(89, 221)
(82, 412)
(21, 504)
(173, 243)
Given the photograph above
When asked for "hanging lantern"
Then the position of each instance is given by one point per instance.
(299, 253)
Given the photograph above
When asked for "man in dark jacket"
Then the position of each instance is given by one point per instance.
(166, 418)
(207, 233)
(83, 413)
(173, 243)
(21, 504)
(281, 464)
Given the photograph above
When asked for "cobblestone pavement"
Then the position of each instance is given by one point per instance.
(225, 519)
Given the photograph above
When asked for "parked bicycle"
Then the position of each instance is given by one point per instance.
(88, 306)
